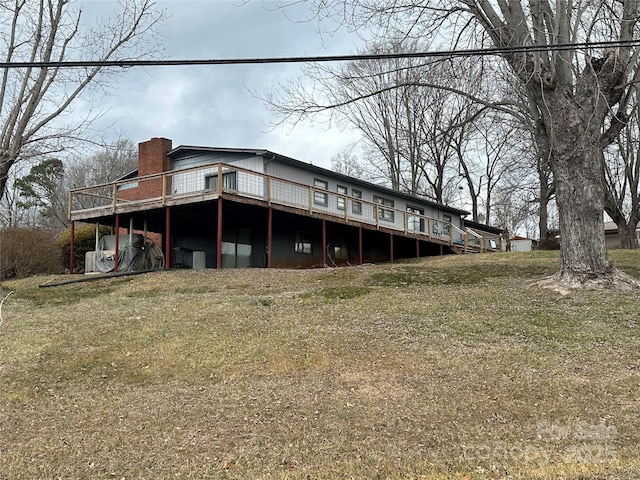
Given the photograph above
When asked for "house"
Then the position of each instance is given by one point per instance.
(236, 207)
(611, 238)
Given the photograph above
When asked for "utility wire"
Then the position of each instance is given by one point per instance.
(319, 59)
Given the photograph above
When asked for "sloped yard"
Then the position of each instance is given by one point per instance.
(451, 367)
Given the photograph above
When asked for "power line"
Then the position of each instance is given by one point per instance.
(321, 59)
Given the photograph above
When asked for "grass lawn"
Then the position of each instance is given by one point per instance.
(444, 368)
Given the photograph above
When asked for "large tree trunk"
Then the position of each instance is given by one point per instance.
(573, 119)
(580, 200)
(576, 163)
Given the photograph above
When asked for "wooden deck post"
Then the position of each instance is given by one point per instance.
(391, 247)
(360, 258)
(269, 235)
(167, 237)
(116, 257)
(219, 236)
(417, 248)
(72, 234)
(324, 243)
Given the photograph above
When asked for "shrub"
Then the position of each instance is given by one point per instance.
(28, 251)
(551, 242)
(84, 241)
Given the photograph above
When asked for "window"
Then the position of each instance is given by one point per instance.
(356, 207)
(236, 248)
(415, 223)
(384, 213)
(447, 226)
(320, 198)
(228, 181)
(341, 250)
(303, 243)
(341, 200)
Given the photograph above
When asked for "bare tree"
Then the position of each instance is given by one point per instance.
(490, 152)
(572, 93)
(622, 170)
(35, 100)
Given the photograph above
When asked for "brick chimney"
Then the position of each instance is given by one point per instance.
(152, 156)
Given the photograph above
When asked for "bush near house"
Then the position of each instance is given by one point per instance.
(84, 241)
(28, 251)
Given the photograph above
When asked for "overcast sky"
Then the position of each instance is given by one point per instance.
(214, 105)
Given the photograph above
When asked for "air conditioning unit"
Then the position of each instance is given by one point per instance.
(199, 260)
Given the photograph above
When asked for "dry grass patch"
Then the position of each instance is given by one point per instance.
(449, 367)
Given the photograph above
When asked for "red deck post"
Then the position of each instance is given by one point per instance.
(167, 237)
(72, 235)
(324, 243)
(269, 235)
(360, 259)
(391, 247)
(116, 258)
(219, 237)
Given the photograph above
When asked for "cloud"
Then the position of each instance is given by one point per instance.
(213, 105)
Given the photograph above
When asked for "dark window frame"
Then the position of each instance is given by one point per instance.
(229, 181)
(341, 201)
(447, 221)
(303, 242)
(356, 207)
(413, 214)
(320, 198)
(385, 214)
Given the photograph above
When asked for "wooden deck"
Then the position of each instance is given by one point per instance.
(185, 187)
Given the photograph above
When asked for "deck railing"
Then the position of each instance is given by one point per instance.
(209, 182)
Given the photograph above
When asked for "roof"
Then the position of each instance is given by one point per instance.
(182, 149)
(481, 226)
(611, 227)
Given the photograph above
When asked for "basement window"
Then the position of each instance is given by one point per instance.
(303, 243)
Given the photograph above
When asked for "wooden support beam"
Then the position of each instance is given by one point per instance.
(116, 257)
(167, 238)
(324, 243)
(219, 236)
(269, 236)
(391, 247)
(72, 235)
